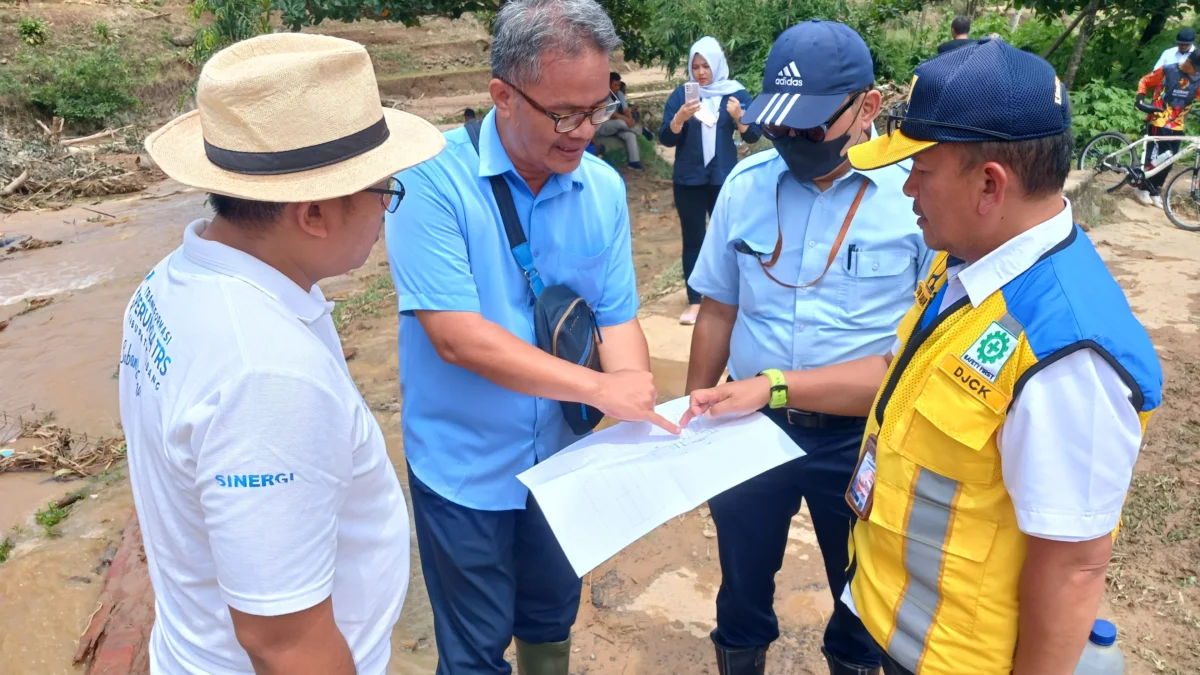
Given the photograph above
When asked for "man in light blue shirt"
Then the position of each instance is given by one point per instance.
(481, 401)
(807, 263)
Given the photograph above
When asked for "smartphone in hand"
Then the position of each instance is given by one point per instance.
(691, 91)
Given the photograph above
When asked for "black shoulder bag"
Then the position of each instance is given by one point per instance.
(564, 323)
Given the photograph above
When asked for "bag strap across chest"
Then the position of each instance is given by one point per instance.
(512, 222)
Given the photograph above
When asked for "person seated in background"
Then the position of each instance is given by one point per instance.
(468, 115)
(636, 112)
(1185, 44)
(960, 28)
(1172, 90)
(623, 126)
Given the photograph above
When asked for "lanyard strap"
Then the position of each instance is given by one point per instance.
(837, 243)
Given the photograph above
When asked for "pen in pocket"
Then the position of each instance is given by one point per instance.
(849, 255)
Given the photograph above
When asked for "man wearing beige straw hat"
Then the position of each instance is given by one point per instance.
(513, 239)
(274, 525)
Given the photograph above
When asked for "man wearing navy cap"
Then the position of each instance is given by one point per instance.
(999, 449)
(1185, 43)
(806, 263)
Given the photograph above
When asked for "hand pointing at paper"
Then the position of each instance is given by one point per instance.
(731, 398)
(630, 396)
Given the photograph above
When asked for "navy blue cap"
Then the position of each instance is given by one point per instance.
(987, 91)
(1185, 36)
(811, 68)
(1103, 633)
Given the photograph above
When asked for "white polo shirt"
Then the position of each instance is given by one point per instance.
(261, 478)
(1172, 56)
(1071, 438)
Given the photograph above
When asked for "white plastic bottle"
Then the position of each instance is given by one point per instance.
(1102, 656)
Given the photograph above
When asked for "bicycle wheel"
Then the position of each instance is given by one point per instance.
(1106, 155)
(1181, 200)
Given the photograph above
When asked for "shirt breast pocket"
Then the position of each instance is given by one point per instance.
(584, 274)
(877, 281)
(755, 289)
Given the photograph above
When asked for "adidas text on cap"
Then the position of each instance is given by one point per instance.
(810, 70)
(988, 91)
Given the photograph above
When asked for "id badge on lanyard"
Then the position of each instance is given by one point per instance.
(860, 495)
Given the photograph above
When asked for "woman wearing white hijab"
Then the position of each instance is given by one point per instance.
(702, 134)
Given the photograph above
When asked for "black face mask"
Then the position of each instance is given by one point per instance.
(807, 160)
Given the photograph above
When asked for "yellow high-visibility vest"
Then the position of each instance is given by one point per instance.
(936, 563)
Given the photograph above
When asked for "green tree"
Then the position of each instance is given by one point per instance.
(235, 20)
(232, 20)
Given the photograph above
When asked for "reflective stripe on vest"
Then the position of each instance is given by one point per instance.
(926, 532)
(927, 529)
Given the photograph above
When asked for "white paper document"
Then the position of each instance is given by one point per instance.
(605, 491)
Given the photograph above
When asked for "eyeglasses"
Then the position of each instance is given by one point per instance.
(394, 195)
(899, 114)
(815, 134)
(566, 123)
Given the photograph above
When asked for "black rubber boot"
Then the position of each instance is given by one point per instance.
(752, 661)
(546, 658)
(838, 668)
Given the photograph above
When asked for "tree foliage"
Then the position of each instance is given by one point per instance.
(86, 86)
(234, 20)
(1125, 40)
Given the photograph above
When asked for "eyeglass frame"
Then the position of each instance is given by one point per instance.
(824, 127)
(897, 115)
(397, 196)
(613, 102)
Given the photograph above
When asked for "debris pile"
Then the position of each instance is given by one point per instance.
(27, 243)
(55, 449)
(48, 173)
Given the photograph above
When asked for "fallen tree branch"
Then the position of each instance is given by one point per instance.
(93, 137)
(69, 499)
(54, 131)
(11, 188)
(109, 215)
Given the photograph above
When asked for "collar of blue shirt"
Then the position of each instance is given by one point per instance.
(494, 161)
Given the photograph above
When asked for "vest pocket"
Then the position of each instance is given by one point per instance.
(949, 431)
(944, 552)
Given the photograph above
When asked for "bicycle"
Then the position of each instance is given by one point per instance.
(1125, 166)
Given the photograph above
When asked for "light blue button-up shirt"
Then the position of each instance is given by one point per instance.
(465, 437)
(853, 311)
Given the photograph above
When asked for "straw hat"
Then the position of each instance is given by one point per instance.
(290, 118)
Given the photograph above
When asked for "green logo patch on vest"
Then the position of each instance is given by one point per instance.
(991, 351)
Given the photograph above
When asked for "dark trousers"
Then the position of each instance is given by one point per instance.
(491, 575)
(752, 522)
(694, 204)
(1159, 147)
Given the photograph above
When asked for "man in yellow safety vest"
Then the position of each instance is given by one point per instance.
(1006, 420)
